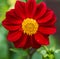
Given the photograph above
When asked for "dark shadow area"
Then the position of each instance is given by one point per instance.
(55, 6)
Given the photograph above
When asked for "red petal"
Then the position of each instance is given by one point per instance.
(40, 10)
(49, 23)
(20, 9)
(30, 8)
(31, 43)
(28, 43)
(52, 21)
(9, 26)
(12, 18)
(21, 42)
(42, 40)
(34, 43)
(11, 14)
(46, 17)
(14, 36)
(12, 22)
(47, 30)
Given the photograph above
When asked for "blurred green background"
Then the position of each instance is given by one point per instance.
(7, 50)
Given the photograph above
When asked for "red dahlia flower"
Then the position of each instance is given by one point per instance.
(30, 24)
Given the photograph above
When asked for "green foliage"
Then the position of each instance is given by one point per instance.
(57, 55)
(21, 52)
(3, 44)
(3, 8)
(18, 53)
(38, 1)
(36, 55)
(52, 41)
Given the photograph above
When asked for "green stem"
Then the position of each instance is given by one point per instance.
(46, 48)
(30, 51)
(26, 0)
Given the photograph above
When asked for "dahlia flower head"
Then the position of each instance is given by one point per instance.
(29, 24)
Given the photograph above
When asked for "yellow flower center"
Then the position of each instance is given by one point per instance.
(29, 26)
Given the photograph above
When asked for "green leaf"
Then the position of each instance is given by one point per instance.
(21, 52)
(3, 31)
(52, 41)
(38, 1)
(37, 55)
(3, 8)
(16, 56)
(23, 0)
(57, 55)
(4, 53)
(18, 53)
